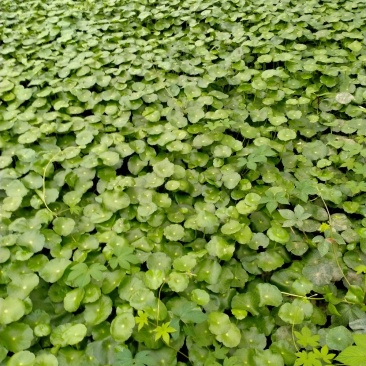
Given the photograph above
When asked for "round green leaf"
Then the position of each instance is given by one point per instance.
(264, 58)
(292, 114)
(96, 214)
(339, 338)
(4, 254)
(32, 241)
(244, 235)
(258, 240)
(11, 310)
(141, 298)
(231, 338)
(319, 274)
(178, 282)
(42, 330)
(92, 291)
(98, 311)
(219, 247)
(315, 150)
(164, 168)
(122, 326)
(291, 314)
(200, 297)
(23, 285)
(16, 337)
(68, 334)
(46, 359)
(151, 114)
(63, 226)
(218, 323)
(115, 200)
(75, 334)
(22, 358)
(16, 189)
(277, 120)
(270, 260)
(11, 203)
(344, 98)
(259, 84)
(231, 180)
(278, 234)
(269, 295)
(154, 278)
(21, 93)
(252, 199)
(246, 301)
(54, 269)
(231, 227)
(267, 357)
(192, 91)
(109, 158)
(286, 134)
(73, 299)
(84, 138)
(185, 263)
(174, 232)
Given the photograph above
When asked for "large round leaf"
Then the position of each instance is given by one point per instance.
(122, 326)
(339, 338)
(54, 269)
(11, 310)
(218, 323)
(97, 312)
(16, 337)
(68, 334)
(23, 358)
(291, 314)
(269, 295)
(278, 234)
(63, 226)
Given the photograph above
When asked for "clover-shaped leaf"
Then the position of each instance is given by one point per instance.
(295, 217)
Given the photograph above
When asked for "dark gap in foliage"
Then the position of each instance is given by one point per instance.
(183, 351)
(123, 169)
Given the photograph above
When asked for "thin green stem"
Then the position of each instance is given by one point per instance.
(158, 309)
(302, 297)
(293, 337)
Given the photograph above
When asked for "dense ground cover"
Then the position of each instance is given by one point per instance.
(182, 182)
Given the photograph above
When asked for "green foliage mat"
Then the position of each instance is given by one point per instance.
(182, 182)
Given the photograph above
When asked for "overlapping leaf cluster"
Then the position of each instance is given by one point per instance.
(182, 182)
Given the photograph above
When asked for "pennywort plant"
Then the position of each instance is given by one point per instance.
(182, 182)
